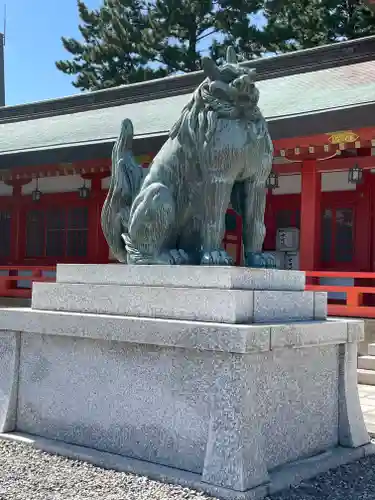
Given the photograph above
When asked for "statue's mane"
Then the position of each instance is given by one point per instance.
(197, 122)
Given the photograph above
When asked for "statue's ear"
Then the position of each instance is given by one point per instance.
(252, 74)
(231, 56)
(210, 69)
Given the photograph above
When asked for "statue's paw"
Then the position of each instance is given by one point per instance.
(178, 257)
(216, 258)
(172, 258)
(260, 259)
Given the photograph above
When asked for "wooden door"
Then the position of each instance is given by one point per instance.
(345, 231)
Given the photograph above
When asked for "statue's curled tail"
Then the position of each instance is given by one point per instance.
(125, 184)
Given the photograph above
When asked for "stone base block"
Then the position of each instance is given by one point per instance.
(228, 406)
(194, 304)
(230, 277)
(9, 369)
(194, 293)
(152, 368)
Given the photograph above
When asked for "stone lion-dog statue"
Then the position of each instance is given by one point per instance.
(218, 152)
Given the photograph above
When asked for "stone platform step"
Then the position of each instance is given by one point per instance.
(194, 304)
(194, 293)
(366, 377)
(222, 277)
(366, 362)
(371, 349)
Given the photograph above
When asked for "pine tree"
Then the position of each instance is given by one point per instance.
(178, 29)
(113, 51)
(235, 20)
(183, 29)
(299, 24)
(126, 41)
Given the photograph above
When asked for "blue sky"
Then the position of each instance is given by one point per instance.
(34, 28)
(33, 44)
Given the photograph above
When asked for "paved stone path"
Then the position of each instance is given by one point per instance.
(367, 397)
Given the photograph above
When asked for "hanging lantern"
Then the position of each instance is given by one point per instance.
(36, 194)
(273, 181)
(355, 175)
(84, 191)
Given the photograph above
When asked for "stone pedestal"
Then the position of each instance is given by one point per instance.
(228, 380)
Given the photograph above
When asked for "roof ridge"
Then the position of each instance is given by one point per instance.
(306, 60)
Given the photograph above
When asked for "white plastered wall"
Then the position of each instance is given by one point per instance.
(60, 184)
(331, 181)
(336, 181)
(105, 182)
(5, 190)
(291, 184)
(288, 184)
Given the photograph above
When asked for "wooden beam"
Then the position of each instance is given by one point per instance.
(339, 163)
(364, 134)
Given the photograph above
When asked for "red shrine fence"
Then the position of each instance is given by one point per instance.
(355, 300)
(16, 281)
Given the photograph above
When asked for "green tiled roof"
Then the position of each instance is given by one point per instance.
(318, 91)
(280, 98)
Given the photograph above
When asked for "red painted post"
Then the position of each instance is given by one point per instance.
(95, 236)
(310, 216)
(15, 231)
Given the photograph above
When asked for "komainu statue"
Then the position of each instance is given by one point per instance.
(218, 152)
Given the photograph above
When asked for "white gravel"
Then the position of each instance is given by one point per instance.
(29, 474)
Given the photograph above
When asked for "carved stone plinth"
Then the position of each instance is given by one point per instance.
(237, 410)
(226, 295)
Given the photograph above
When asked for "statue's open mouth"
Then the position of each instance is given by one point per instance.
(247, 97)
(243, 97)
(239, 91)
(245, 91)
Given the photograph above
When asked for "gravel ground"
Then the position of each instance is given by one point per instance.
(29, 474)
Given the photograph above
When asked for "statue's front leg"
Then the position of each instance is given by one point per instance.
(151, 234)
(253, 228)
(214, 206)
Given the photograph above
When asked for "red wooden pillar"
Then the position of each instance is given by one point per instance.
(95, 235)
(103, 249)
(269, 221)
(363, 224)
(310, 216)
(17, 230)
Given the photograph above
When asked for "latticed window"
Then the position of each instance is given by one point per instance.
(57, 233)
(337, 236)
(77, 233)
(5, 229)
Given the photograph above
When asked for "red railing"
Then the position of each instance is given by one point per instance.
(15, 281)
(357, 300)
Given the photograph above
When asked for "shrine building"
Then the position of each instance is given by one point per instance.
(320, 107)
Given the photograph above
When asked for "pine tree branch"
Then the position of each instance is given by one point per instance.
(199, 38)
